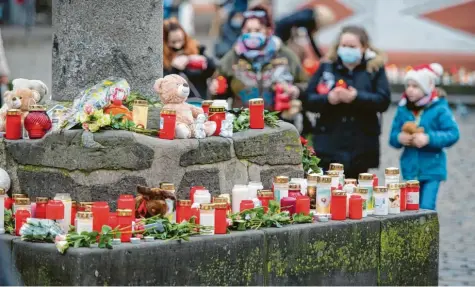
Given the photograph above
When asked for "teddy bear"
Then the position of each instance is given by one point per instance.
(36, 85)
(412, 128)
(152, 201)
(21, 99)
(173, 91)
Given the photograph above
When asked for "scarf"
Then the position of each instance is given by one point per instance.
(421, 103)
(257, 58)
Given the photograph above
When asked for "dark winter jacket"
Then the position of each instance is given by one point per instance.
(349, 133)
(198, 78)
(227, 38)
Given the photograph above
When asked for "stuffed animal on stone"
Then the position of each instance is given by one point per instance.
(35, 85)
(21, 99)
(200, 132)
(173, 91)
(152, 201)
(227, 126)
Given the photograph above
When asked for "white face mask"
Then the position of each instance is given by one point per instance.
(349, 55)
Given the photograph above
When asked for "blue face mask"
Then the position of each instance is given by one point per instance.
(349, 55)
(254, 40)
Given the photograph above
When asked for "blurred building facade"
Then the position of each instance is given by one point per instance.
(12, 13)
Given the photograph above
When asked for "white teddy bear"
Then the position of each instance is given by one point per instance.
(36, 85)
(199, 131)
(227, 126)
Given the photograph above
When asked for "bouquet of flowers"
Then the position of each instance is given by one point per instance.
(92, 120)
(309, 159)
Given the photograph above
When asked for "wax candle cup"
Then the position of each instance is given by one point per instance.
(183, 210)
(193, 189)
(126, 201)
(246, 205)
(124, 218)
(302, 205)
(338, 205)
(288, 204)
(167, 124)
(294, 189)
(100, 213)
(55, 210)
(412, 195)
(220, 222)
(256, 113)
(356, 207)
(265, 196)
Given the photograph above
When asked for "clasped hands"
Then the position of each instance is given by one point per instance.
(418, 140)
(180, 62)
(342, 95)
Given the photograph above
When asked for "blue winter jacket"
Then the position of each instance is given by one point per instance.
(429, 162)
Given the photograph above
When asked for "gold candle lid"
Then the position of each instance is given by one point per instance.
(167, 186)
(394, 186)
(124, 212)
(2, 191)
(391, 171)
(324, 179)
(206, 103)
(281, 179)
(365, 176)
(256, 102)
(336, 166)
(361, 190)
(221, 205)
(22, 201)
(140, 103)
(207, 206)
(184, 202)
(217, 109)
(351, 181)
(380, 189)
(412, 183)
(37, 108)
(313, 177)
(41, 200)
(85, 203)
(84, 214)
(168, 112)
(227, 196)
(14, 112)
(218, 199)
(19, 195)
(402, 185)
(294, 185)
(265, 193)
(339, 193)
(333, 173)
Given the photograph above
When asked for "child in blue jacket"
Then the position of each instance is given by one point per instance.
(424, 158)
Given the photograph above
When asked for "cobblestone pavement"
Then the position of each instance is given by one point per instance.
(456, 205)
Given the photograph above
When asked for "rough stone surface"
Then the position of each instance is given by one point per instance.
(267, 175)
(97, 39)
(123, 150)
(333, 253)
(410, 249)
(8, 273)
(204, 177)
(153, 120)
(212, 150)
(276, 146)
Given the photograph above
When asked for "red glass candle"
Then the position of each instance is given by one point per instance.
(183, 210)
(245, 205)
(288, 204)
(195, 212)
(375, 180)
(205, 106)
(100, 215)
(193, 189)
(256, 114)
(403, 188)
(55, 210)
(294, 190)
(13, 125)
(124, 219)
(197, 64)
(8, 202)
(113, 221)
(412, 195)
(342, 84)
(220, 223)
(222, 85)
(74, 211)
(167, 124)
(265, 196)
(41, 203)
(126, 201)
(217, 114)
(356, 207)
(303, 205)
(338, 205)
(37, 123)
(21, 215)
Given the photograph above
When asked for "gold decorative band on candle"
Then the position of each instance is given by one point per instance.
(339, 193)
(351, 181)
(281, 179)
(336, 166)
(124, 212)
(206, 103)
(19, 195)
(37, 108)
(168, 112)
(41, 200)
(13, 112)
(140, 103)
(183, 202)
(333, 173)
(412, 183)
(2, 191)
(324, 179)
(366, 176)
(391, 171)
(22, 201)
(167, 186)
(380, 189)
(256, 102)
(394, 186)
(217, 109)
(84, 214)
(313, 177)
(207, 206)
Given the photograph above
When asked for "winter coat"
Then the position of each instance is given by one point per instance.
(245, 84)
(429, 162)
(349, 133)
(197, 78)
(227, 38)
(4, 71)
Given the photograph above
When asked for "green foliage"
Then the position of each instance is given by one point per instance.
(129, 102)
(9, 221)
(310, 161)
(241, 120)
(161, 228)
(118, 122)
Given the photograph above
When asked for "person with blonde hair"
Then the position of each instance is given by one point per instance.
(350, 90)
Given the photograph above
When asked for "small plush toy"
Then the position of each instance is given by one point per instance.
(200, 126)
(227, 126)
(18, 99)
(173, 91)
(412, 128)
(152, 201)
(36, 85)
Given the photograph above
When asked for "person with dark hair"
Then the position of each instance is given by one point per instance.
(230, 30)
(184, 56)
(350, 90)
(257, 63)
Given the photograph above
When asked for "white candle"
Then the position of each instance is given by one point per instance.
(253, 187)
(240, 193)
(67, 202)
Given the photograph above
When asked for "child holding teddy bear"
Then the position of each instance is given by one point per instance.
(424, 126)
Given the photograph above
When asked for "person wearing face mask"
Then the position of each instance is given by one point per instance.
(424, 158)
(257, 63)
(229, 31)
(349, 92)
(184, 56)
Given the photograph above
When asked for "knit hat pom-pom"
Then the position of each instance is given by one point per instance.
(437, 68)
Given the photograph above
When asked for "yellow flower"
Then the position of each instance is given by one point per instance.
(83, 117)
(94, 127)
(107, 119)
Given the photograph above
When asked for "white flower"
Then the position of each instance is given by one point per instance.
(62, 246)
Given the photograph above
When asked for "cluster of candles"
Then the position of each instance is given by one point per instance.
(35, 125)
(454, 76)
(85, 216)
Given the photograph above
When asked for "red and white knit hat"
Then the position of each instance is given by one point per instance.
(425, 76)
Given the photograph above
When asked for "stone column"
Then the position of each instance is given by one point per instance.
(95, 39)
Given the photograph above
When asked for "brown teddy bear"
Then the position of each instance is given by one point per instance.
(152, 201)
(21, 99)
(412, 128)
(173, 91)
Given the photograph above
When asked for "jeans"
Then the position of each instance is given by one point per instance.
(428, 196)
(30, 13)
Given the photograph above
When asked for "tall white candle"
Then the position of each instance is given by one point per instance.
(240, 193)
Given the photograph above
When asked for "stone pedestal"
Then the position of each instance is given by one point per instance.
(97, 39)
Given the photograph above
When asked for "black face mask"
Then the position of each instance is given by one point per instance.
(176, 49)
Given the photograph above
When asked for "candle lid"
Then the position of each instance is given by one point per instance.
(167, 186)
(2, 191)
(207, 206)
(41, 200)
(412, 183)
(380, 189)
(281, 179)
(13, 112)
(85, 203)
(394, 186)
(333, 173)
(206, 103)
(218, 199)
(265, 193)
(184, 202)
(361, 190)
(357, 196)
(350, 181)
(336, 166)
(140, 103)
(84, 214)
(217, 109)
(324, 179)
(365, 176)
(22, 201)
(168, 112)
(256, 102)
(391, 171)
(124, 212)
(294, 185)
(221, 205)
(313, 177)
(37, 108)
(402, 185)
(19, 195)
(339, 193)
(227, 196)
